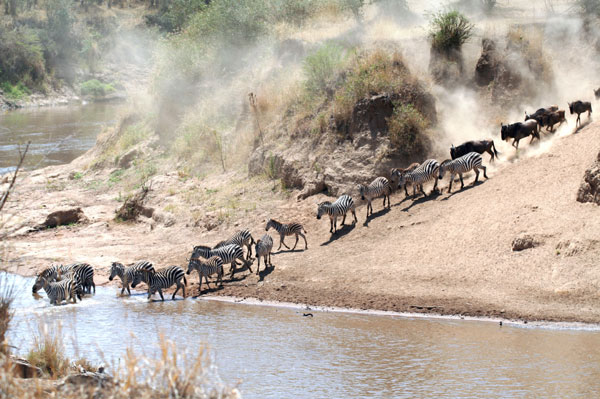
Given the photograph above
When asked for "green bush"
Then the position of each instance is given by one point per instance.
(407, 130)
(15, 92)
(321, 68)
(96, 88)
(449, 31)
(21, 57)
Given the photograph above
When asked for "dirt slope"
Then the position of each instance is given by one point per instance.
(445, 254)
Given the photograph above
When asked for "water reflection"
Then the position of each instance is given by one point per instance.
(277, 353)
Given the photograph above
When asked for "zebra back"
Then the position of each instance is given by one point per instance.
(206, 267)
(338, 208)
(461, 164)
(285, 229)
(426, 171)
(241, 238)
(378, 187)
(264, 245)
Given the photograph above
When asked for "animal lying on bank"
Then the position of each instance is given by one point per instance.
(478, 146)
(520, 130)
(579, 107)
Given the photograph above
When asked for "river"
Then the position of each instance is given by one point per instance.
(57, 134)
(276, 352)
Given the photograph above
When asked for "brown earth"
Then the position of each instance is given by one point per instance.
(448, 254)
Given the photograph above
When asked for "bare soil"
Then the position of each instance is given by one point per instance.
(447, 254)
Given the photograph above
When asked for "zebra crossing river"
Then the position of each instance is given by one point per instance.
(277, 352)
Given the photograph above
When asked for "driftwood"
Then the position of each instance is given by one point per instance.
(134, 206)
(14, 178)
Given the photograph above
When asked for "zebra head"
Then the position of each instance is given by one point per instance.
(361, 190)
(443, 168)
(322, 208)
(139, 276)
(116, 269)
(269, 225)
(40, 282)
(194, 264)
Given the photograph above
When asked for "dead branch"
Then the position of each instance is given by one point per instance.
(14, 178)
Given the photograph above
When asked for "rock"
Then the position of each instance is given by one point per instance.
(487, 65)
(63, 217)
(372, 113)
(524, 241)
(126, 159)
(589, 191)
(21, 368)
(312, 189)
(87, 379)
(133, 206)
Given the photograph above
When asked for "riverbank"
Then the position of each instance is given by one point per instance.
(424, 256)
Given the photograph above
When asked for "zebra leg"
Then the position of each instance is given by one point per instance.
(282, 241)
(296, 243)
(484, 171)
(331, 225)
(128, 289)
(355, 219)
(405, 190)
(162, 298)
(248, 264)
(232, 269)
(305, 243)
(435, 187)
(462, 183)
(476, 175)
(258, 267)
(344, 219)
(249, 255)
(270, 263)
(422, 191)
(450, 185)
(206, 279)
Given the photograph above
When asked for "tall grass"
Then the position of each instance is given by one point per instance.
(407, 130)
(322, 67)
(48, 353)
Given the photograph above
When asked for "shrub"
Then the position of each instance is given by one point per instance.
(407, 130)
(322, 67)
(22, 59)
(96, 88)
(15, 92)
(133, 134)
(47, 354)
(449, 31)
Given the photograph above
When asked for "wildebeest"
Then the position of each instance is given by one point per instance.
(551, 119)
(597, 93)
(479, 146)
(520, 130)
(540, 113)
(579, 107)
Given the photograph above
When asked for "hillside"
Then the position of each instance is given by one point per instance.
(448, 254)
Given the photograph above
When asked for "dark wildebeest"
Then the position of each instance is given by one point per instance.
(398, 172)
(479, 146)
(579, 107)
(597, 93)
(551, 119)
(540, 113)
(520, 130)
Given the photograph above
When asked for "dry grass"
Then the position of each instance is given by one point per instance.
(48, 353)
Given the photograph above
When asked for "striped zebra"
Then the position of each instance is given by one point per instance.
(378, 188)
(427, 171)
(339, 208)
(160, 279)
(241, 238)
(126, 274)
(462, 165)
(229, 254)
(85, 274)
(264, 246)
(60, 290)
(396, 173)
(51, 274)
(287, 229)
(206, 268)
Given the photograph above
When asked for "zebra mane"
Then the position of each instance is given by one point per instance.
(204, 247)
(325, 203)
(219, 244)
(117, 264)
(274, 221)
(446, 162)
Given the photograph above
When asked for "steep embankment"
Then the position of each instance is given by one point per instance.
(448, 254)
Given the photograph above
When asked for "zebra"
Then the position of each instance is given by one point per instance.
(160, 279)
(229, 254)
(264, 246)
(287, 229)
(427, 171)
(126, 274)
(397, 173)
(60, 290)
(207, 267)
(52, 274)
(241, 238)
(84, 272)
(462, 165)
(340, 207)
(378, 187)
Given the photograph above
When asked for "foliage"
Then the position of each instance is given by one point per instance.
(132, 135)
(407, 130)
(22, 58)
(48, 353)
(449, 30)
(199, 143)
(15, 92)
(322, 67)
(96, 88)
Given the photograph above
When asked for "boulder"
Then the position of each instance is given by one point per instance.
(487, 65)
(524, 241)
(589, 191)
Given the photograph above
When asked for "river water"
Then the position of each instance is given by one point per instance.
(276, 352)
(57, 134)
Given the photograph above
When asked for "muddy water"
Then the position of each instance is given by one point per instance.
(279, 353)
(57, 134)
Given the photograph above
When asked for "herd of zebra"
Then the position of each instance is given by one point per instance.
(71, 282)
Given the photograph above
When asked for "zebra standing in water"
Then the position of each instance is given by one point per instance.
(229, 254)
(241, 238)
(287, 229)
(207, 267)
(264, 246)
(378, 187)
(427, 171)
(61, 290)
(127, 274)
(462, 165)
(85, 274)
(340, 207)
(161, 279)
